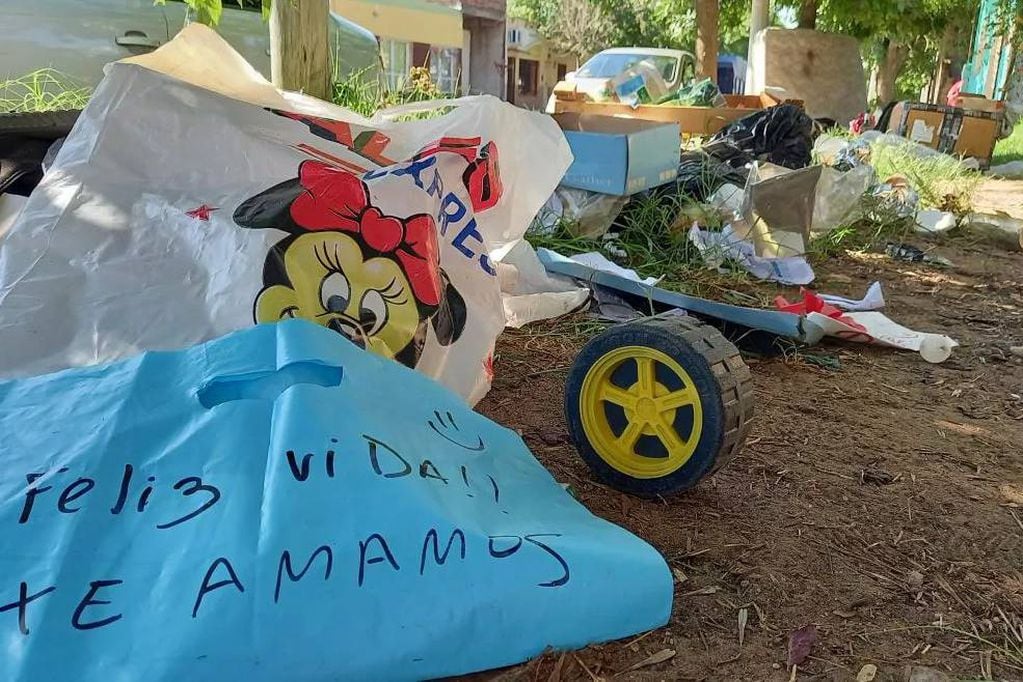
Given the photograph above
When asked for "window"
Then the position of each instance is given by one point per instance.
(396, 56)
(247, 5)
(610, 64)
(514, 36)
(446, 68)
(562, 71)
(529, 69)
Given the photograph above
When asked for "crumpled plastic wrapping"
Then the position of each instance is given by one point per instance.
(193, 199)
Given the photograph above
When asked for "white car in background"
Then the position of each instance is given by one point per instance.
(593, 78)
(79, 37)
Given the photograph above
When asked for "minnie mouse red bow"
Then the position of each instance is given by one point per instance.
(334, 199)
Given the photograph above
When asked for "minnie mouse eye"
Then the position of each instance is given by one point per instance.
(372, 312)
(335, 292)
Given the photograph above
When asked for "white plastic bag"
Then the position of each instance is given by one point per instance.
(175, 214)
(585, 214)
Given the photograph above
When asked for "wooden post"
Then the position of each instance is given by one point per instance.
(937, 89)
(299, 46)
(707, 39)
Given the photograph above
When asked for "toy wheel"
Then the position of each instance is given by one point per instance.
(655, 406)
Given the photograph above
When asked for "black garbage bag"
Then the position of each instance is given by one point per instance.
(781, 135)
(700, 175)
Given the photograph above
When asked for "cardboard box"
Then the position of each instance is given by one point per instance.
(951, 130)
(619, 155)
(692, 121)
(973, 102)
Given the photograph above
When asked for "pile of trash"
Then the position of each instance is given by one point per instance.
(200, 323)
(760, 192)
(643, 84)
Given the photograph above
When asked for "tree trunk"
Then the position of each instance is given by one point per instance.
(889, 69)
(808, 14)
(707, 39)
(299, 46)
(941, 82)
(758, 20)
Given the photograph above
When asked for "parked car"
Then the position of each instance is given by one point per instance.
(593, 78)
(677, 67)
(79, 37)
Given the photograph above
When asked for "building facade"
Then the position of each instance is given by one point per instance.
(412, 33)
(534, 68)
(484, 50)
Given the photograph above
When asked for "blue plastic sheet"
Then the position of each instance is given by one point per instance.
(275, 505)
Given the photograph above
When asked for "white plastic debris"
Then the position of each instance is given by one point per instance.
(931, 221)
(838, 196)
(584, 213)
(727, 198)
(718, 247)
(599, 261)
(872, 300)
(877, 328)
(529, 293)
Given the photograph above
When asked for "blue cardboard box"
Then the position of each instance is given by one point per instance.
(619, 155)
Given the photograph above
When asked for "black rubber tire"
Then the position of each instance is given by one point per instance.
(722, 379)
(48, 125)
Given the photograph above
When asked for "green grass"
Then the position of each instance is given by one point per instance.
(366, 97)
(1009, 149)
(652, 237)
(50, 90)
(873, 224)
(941, 181)
(42, 90)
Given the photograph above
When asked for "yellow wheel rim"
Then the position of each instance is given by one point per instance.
(634, 398)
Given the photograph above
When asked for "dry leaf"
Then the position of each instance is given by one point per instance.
(964, 429)
(713, 589)
(867, 673)
(844, 613)
(801, 641)
(680, 577)
(1011, 494)
(660, 657)
(743, 618)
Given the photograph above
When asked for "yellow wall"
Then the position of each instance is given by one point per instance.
(548, 73)
(404, 21)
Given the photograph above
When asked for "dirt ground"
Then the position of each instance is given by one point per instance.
(880, 501)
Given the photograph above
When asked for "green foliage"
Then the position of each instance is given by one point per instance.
(1009, 149)
(584, 27)
(42, 90)
(209, 11)
(365, 96)
(896, 19)
(915, 26)
(941, 180)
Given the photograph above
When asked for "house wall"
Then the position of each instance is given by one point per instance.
(532, 47)
(486, 64)
(412, 33)
(423, 22)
